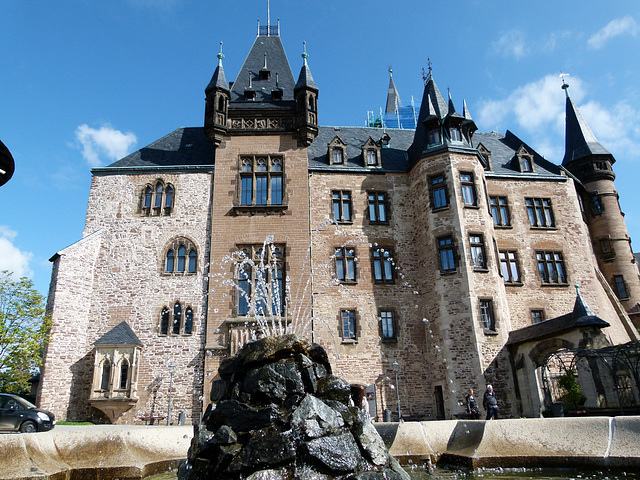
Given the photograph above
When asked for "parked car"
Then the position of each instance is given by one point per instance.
(20, 415)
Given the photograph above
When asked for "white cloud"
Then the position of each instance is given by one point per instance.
(617, 27)
(104, 142)
(11, 258)
(511, 43)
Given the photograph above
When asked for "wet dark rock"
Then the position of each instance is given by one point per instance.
(280, 414)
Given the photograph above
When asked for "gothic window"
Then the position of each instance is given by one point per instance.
(164, 321)
(438, 190)
(387, 325)
(341, 200)
(177, 318)
(509, 266)
(383, 267)
(446, 251)
(620, 287)
(346, 264)
(377, 207)
(487, 315)
(188, 321)
(540, 212)
(551, 267)
(181, 257)
(348, 319)
(171, 320)
(260, 279)
(124, 374)
(468, 189)
(157, 199)
(478, 257)
(500, 211)
(261, 180)
(537, 316)
(106, 375)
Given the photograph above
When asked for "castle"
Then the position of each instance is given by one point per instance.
(432, 260)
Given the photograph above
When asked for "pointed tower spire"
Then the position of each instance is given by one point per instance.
(393, 97)
(465, 111)
(218, 80)
(216, 110)
(305, 79)
(306, 95)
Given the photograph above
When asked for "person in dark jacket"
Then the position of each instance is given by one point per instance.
(490, 403)
(472, 405)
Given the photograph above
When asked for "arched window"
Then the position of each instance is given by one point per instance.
(106, 374)
(148, 193)
(188, 321)
(168, 197)
(193, 256)
(158, 202)
(177, 318)
(164, 321)
(182, 256)
(169, 263)
(124, 374)
(221, 103)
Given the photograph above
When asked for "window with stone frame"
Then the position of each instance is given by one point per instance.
(176, 320)
(438, 192)
(157, 199)
(371, 153)
(105, 377)
(487, 315)
(378, 209)
(606, 248)
(620, 287)
(540, 212)
(383, 265)
(261, 180)
(500, 211)
(537, 316)
(181, 257)
(387, 325)
(337, 151)
(509, 267)
(341, 203)
(124, 374)
(524, 160)
(447, 254)
(345, 258)
(468, 187)
(551, 267)
(597, 207)
(260, 276)
(477, 249)
(348, 325)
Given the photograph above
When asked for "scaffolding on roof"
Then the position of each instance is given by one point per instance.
(405, 117)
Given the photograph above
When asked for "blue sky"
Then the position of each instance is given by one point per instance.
(85, 82)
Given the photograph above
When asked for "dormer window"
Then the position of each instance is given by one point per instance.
(525, 164)
(249, 95)
(433, 136)
(525, 160)
(372, 159)
(265, 74)
(454, 133)
(338, 156)
(276, 95)
(371, 153)
(486, 154)
(337, 151)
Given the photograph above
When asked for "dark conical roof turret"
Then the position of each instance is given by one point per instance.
(305, 79)
(218, 80)
(393, 97)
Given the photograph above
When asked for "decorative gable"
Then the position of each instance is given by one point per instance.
(486, 154)
(337, 151)
(371, 154)
(523, 160)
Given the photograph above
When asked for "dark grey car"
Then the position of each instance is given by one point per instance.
(20, 415)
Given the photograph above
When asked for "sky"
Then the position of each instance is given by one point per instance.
(85, 82)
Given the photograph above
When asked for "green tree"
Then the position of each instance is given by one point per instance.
(573, 399)
(24, 331)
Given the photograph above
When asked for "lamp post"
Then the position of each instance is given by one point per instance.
(396, 367)
(171, 368)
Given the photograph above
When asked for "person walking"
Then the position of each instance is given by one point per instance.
(472, 406)
(490, 403)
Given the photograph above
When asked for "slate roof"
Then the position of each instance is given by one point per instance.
(580, 141)
(121, 334)
(183, 148)
(581, 316)
(277, 63)
(306, 79)
(218, 80)
(393, 97)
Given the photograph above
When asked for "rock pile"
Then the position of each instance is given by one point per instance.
(280, 414)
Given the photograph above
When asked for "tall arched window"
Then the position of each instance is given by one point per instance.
(188, 321)
(169, 263)
(177, 318)
(164, 321)
(124, 374)
(158, 202)
(182, 257)
(106, 374)
(148, 193)
(193, 256)
(168, 197)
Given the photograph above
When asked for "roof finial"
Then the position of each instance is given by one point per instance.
(268, 17)
(305, 55)
(565, 85)
(577, 289)
(390, 71)
(220, 56)
(429, 64)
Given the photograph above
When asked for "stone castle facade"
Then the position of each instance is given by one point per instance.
(442, 255)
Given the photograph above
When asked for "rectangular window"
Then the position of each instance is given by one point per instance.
(260, 279)
(346, 264)
(341, 206)
(372, 158)
(606, 248)
(387, 326)
(551, 267)
(620, 287)
(439, 194)
(455, 134)
(337, 156)
(377, 207)
(447, 254)
(597, 207)
(487, 316)
(540, 212)
(509, 266)
(382, 266)
(261, 180)
(468, 188)
(348, 318)
(434, 136)
(525, 164)
(476, 244)
(537, 316)
(500, 211)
